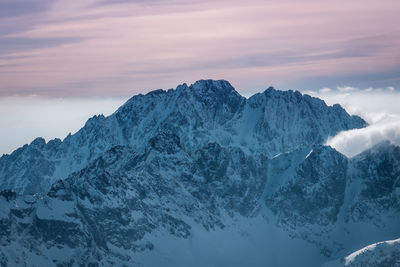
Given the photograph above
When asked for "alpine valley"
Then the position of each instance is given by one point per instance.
(202, 176)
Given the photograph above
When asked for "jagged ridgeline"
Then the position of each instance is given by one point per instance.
(198, 176)
(193, 116)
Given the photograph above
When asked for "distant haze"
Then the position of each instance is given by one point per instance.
(25, 118)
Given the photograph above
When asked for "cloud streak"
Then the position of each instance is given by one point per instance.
(132, 46)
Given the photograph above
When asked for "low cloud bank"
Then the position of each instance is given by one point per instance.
(356, 141)
(380, 107)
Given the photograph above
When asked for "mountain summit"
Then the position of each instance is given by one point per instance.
(199, 176)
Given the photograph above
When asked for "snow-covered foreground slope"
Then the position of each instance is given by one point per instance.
(162, 207)
(199, 176)
(385, 253)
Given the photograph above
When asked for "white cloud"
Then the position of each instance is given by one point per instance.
(356, 141)
(325, 90)
(378, 106)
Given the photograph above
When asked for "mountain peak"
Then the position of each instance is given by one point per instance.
(218, 84)
(199, 89)
(213, 87)
(273, 92)
(270, 90)
(39, 143)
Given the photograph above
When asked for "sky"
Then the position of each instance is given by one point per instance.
(62, 61)
(92, 48)
(22, 119)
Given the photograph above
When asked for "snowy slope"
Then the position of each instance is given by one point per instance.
(385, 253)
(199, 176)
(140, 208)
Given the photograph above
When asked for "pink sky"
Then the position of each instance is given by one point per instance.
(90, 48)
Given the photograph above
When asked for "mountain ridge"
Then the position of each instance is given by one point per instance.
(226, 180)
(205, 111)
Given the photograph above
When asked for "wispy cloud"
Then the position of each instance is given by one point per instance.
(131, 46)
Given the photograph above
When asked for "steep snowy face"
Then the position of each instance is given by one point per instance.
(289, 120)
(308, 205)
(376, 179)
(315, 193)
(208, 111)
(198, 114)
(339, 203)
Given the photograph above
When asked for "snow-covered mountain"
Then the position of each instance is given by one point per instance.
(199, 176)
(207, 111)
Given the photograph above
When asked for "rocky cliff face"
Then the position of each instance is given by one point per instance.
(198, 176)
(336, 202)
